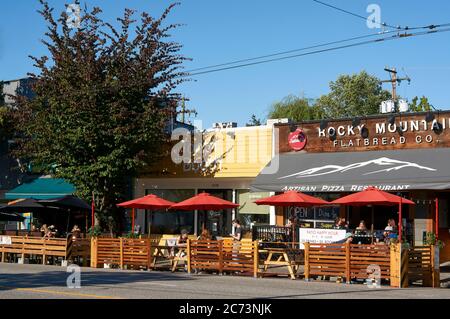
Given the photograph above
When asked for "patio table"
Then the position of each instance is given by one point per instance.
(280, 257)
(180, 255)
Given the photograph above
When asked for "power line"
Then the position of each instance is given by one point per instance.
(431, 27)
(394, 37)
(289, 51)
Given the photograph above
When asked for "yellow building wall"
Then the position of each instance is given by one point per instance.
(225, 153)
(242, 152)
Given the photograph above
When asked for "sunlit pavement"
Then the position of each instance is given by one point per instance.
(37, 281)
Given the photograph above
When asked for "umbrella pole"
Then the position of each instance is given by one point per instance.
(437, 217)
(400, 222)
(92, 212)
(150, 224)
(68, 221)
(373, 215)
(132, 220)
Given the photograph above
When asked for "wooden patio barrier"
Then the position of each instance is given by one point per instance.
(223, 255)
(419, 264)
(133, 253)
(37, 246)
(80, 249)
(347, 261)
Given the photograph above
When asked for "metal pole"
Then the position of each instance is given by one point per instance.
(373, 216)
(92, 211)
(437, 216)
(132, 220)
(400, 222)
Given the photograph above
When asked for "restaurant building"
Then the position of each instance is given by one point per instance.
(406, 154)
(220, 161)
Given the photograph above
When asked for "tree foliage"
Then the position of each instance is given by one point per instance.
(420, 105)
(353, 95)
(295, 108)
(350, 95)
(254, 121)
(103, 96)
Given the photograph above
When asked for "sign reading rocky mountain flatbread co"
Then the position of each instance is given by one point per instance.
(351, 136)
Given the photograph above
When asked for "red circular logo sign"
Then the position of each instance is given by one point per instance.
(297, 140)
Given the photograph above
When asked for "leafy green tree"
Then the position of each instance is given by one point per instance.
(420, 105)
(254, 121)
(103, 97)
(353, 95)
(295, 108)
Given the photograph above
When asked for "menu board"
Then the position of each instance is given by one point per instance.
(324, 225)
(5, 240)
(320, 236)
(314, 217)
(327, 212)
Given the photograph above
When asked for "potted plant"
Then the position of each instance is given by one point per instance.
(430, 239)
(95, 231)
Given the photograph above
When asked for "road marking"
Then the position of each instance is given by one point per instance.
(116, 281)
(73, 294)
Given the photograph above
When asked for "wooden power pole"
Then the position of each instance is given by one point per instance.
(394, 82)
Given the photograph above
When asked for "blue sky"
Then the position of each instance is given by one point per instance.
(221, 31)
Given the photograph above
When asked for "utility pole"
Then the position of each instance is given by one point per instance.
(394, 82)
(184, 111)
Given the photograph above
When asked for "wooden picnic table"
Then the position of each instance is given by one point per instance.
(180, 255)
(280, 257)
(165, 251)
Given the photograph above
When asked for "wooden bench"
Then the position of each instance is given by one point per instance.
(36, 246)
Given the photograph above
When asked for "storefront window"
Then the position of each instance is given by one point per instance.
(314, 217)
(171, 222)
(249, 213)
(443, 213)
(217, 222)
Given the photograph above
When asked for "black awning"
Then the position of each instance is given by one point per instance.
(393, 170)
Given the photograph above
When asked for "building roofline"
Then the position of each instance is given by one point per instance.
(367, 117)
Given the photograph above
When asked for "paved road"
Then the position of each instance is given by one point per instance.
(37, 281)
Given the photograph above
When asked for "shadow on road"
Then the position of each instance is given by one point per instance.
(88, 278)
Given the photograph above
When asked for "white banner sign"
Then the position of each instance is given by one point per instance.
(320, 236)
(5, 240)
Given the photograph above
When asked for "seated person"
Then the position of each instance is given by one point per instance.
(390, 231)
(361, 229)
(182, 240)
(76, 232)
(52, 231)
(205, 235)
(44, 230)
(340, 223)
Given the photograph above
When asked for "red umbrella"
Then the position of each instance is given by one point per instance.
(204, 201)
(151, 202)
(373, 196)
(292, 198)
